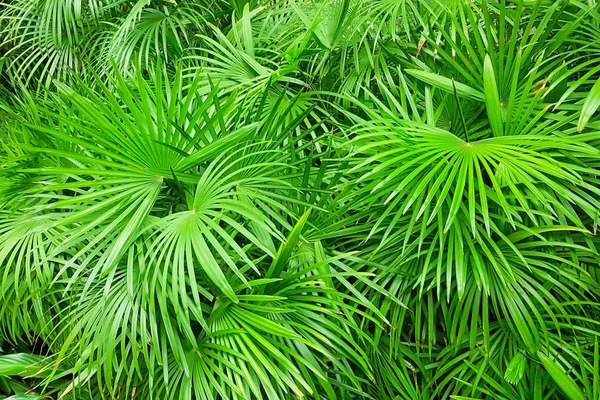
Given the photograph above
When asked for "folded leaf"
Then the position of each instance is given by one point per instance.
(21, 364)
(492, 99)
(447, 84)
(590, 105)
(516, 369)
(566, 384)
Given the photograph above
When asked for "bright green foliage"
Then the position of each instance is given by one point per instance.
(329, 199)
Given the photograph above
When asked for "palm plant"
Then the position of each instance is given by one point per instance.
(325, 199)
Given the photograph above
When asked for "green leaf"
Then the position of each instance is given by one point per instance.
(492, 99)
(26, 396)
(447, 84)
(515, 369)
(22, 364)
(590, 105)
(566, 384)
(287, 249)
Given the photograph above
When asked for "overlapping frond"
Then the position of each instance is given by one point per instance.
(332, 199)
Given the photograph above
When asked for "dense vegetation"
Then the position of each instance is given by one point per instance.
(328, 199)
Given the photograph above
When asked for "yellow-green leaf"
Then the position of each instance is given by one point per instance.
(492, 99)
(566, 384)
(590, 105)
(447, 84)
(515, 369)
